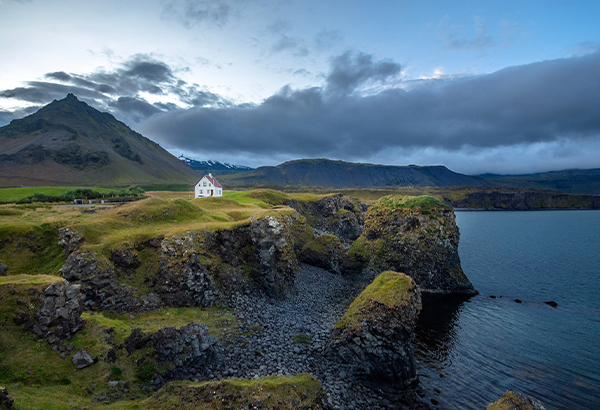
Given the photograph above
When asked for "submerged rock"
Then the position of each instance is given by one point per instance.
(375, 335)
(516, 401)
(415, 235)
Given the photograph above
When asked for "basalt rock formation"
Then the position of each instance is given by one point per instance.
(375, 335)
(415, 235)
(60, 315)
(190, 345)
(336, 215)
(199, 268)
(325, 251)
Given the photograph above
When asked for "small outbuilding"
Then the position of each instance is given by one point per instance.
(208, 186)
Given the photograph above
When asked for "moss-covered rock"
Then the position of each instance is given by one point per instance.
(516, 401)
(325, 251)
(415, 235)
(375, 335)
(334, 214)
(298, 392)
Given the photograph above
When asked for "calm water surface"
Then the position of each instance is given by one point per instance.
(470, 352)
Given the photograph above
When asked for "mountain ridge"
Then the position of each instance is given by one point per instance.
(68, 142)
(328, 173)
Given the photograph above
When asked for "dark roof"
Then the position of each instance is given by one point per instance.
(213, 180)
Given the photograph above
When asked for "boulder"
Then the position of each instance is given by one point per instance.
(325, 251)
(516, 401)
(375, 335)
(3, 269)
(6, 401)
(82, 359)
(415, 235)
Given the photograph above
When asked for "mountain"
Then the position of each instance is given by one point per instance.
(338, 174)
(68, 142)
(210, 165)
(572, 181)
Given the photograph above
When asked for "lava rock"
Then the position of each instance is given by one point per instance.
(82, 359)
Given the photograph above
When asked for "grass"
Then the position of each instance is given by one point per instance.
(302, 339)
(300, 391)
(37, 377)
(426, 203)
(390, 289)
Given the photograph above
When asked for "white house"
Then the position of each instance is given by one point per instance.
(208, 186)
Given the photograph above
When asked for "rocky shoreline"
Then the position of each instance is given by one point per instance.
(289, 337)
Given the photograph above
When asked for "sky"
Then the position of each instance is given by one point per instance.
(479, 86)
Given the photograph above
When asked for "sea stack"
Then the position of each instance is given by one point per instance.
(415, 235)
(375, 335)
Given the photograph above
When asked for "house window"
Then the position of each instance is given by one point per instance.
(204, 183)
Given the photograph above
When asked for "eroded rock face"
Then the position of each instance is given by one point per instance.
(325, 251)
(101, 287)
(376, 333)
(186, 284)
(69, 240)
(190, 345)
(336, 215)
(421, 243)
(276, 259)
(59, 318)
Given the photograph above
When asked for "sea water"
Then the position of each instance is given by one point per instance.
(469, 352)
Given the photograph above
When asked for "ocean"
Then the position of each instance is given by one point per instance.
(470, 351)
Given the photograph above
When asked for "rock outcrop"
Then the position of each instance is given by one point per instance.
(325, 251)
(60, 315)
(415, 235)
(375, 335)
(516, 401)
(336, 215)
(190, 346)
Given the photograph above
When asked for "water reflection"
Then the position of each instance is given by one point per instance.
(437, 327)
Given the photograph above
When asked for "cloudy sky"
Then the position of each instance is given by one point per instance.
(479, 86)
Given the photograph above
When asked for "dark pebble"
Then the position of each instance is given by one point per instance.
(492, 297)
(552, 303)
(518, 301)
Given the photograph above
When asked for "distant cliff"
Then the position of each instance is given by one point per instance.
(512, 199)
(338, 174)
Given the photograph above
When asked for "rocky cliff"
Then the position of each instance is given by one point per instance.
(198, 268)
(375, 335)
(415, 235)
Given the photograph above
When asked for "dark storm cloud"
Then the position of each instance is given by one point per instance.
(118, 90)
(193, 12)
(543, 102)
(349, 70)
(134, 108)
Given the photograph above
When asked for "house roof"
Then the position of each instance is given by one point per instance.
(213, 180)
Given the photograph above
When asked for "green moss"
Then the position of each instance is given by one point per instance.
(303, 339)
(323, 243)
(389, 288)
(301, 391)
(427, 204)
(510, 400)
